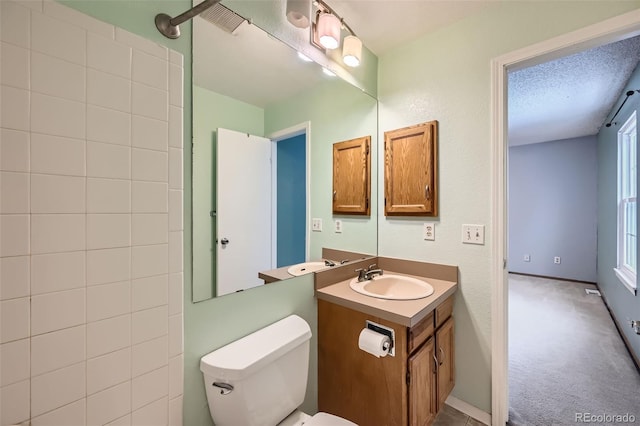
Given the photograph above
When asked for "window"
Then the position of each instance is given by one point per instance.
(627, 229)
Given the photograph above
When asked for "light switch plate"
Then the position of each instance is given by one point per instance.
(429, 231)
(316, 225)
(473, 234)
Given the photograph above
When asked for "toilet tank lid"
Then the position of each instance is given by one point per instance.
(247, 355)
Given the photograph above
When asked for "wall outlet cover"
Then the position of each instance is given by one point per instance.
(429, 231)
(338, 226)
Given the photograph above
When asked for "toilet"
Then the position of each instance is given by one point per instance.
(261, 379)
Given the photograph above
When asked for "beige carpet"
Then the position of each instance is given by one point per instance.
(567, 361)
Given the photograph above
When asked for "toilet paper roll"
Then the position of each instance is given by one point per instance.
(376, 344)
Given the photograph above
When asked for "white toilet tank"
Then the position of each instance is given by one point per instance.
(260, 378)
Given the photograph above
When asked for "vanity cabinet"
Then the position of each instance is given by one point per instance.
(407, 389)
(352, 176)
(411, 171)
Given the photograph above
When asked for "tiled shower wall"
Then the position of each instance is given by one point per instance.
(91, 222)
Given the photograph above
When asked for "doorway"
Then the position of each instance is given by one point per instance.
(595, 35)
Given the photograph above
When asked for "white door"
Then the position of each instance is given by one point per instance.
(243, 210)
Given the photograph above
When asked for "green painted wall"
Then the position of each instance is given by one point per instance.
(445, 76)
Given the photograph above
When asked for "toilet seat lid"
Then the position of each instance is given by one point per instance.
(325, 419)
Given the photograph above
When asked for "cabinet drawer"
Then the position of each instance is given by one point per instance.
(420, 332)
(444, 311)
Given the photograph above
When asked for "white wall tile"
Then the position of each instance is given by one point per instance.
(108, 231)
(57, 388)
(175, 293)
(14, 400)
(150, 387)
(175, 251)
(143, 44)
(175, 335)
(108, 56)
(108, 335)
(149, 356)
(57, 116)
(175, 210)
(59, 349)
(15, 24)
(154, 414)
(15, 279)
(14, 192)
(57, 77)
(57, 194)
(149, 292)
(14, 69)
(57, 155)
(108, 266)
(175, 126)
(150, 70)
(57, 272)
(175, 85)
(14, 150)
(149, 197)
(14, 238)
(176, 376)
(109, 404)
(74, 17)
(149, 324)
(108, 370)
(176, 58)
(108, 196)
(149, 260)
(150, 229)
(175, 411)
(14, 108)
(73, 414)
(55, 311)
(108, 90)
(66, 42)
(150, 102)
(108, 160)
(175, 168)
(150, 133)
(14, 359)
(122, 421)
(54, 233)
(108, 125)
(108, 300)
(149, 165)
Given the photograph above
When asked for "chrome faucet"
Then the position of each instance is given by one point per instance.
(368, 273)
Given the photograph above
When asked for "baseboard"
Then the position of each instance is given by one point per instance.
(553, 278)
(469, 409)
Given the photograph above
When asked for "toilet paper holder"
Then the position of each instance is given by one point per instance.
(388, 331)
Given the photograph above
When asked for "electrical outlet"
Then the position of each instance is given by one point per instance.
(556, 260)
(527, 258)
(338, 226)
(316, 225)
(473, 234)
(429, 231)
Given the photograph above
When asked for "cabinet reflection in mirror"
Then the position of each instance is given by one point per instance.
(264, 123)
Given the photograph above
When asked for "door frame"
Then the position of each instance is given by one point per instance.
(604, 32)
(303, 128)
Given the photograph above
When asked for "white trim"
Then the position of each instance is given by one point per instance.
(303, 128)
(469, 409)
(607, 31)
(624, 279)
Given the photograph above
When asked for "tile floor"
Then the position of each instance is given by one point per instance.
(449, 416)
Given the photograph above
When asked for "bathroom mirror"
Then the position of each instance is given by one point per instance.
(255, 86)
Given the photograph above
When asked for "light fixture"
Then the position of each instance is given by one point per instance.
(352, 51)
(299, 13)
(328, 28)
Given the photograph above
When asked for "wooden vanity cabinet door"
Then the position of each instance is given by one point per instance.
(422, 385)
(411, 171)
(352, 177)
(445, 353)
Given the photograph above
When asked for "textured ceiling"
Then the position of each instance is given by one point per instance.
(571, 96)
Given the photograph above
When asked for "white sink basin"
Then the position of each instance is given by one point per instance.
(394, 287)
(305, 268)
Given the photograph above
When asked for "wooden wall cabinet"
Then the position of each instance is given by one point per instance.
(352, 176)
(411, 171)
(408, 389)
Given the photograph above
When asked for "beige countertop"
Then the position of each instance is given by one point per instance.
(404, 312)
(273, 275)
